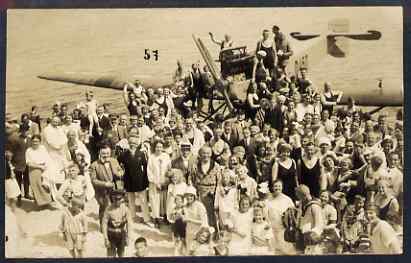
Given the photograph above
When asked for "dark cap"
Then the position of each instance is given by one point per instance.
(185, 146)
(113, 116)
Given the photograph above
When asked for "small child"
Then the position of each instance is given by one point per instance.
(351, 228)
(92, 104)
(178, 225)
(116, 224)
(201, 245)
(261, 234)
(226, 198)
(177, 186)
(74, 228)
(140, 246)
(75, 186)
(11, 185)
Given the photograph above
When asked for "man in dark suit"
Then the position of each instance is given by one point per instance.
(229, 136)
(247, 142)
(135, 178)
(116, 131)
(275, 114)
(185, 161)
(99, 132)
(18, 144)
(106, 174)
(103, 121)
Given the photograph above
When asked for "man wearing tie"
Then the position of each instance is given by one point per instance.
(134, 161)
(229, 136)
(185, 161)
(106, 175)
(98, 132)
(104, 123)
(248, 142)
(117, 131)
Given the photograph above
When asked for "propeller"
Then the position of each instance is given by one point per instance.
(221, 84)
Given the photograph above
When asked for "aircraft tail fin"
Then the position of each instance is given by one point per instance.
(338, 46)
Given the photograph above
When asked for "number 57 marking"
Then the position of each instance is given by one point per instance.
(148, 54)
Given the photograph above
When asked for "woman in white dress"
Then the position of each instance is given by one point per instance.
(158, 165)
(55, 141)
(40, 164)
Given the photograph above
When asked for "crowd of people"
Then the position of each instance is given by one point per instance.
(289, 171)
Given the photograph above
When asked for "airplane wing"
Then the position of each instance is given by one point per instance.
(370, 35)
(111, 82)
(107, 81)
(299, 36)
(338, 48)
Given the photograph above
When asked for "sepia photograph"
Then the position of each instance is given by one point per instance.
(180, 132)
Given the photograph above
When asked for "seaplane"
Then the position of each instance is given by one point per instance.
(237, 61)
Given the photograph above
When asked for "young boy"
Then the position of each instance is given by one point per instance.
(92, 104)
(178, 225)
(115, 224)
(141, 247)
(74, 227)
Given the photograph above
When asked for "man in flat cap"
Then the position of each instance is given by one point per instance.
(185, 162)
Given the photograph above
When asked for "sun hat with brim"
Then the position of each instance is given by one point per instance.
(324, 140)
(190, 190)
